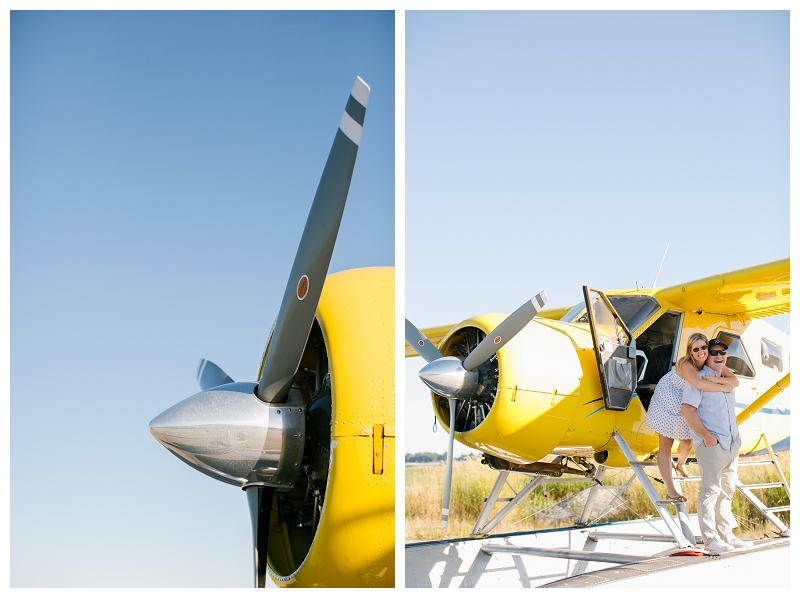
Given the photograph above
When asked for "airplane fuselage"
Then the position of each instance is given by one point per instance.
(546, 394)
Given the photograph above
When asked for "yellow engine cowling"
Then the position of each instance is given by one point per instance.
(354, 542)
(548, 397)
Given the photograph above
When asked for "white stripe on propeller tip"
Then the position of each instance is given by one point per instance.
(352, 123)
(420, 343)
(351, 128)
(360, 91)
(505, 331)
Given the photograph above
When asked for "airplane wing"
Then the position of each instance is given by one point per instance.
(554, 313)
(755, 292)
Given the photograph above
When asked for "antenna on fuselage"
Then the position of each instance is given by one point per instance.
(659, 267)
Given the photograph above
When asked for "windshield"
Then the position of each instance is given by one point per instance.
(634, 310)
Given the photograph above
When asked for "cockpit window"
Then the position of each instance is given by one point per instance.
(634, 310)
(771, 355)
(738, 361)
(572, 314)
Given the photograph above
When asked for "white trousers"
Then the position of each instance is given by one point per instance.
(717, 485)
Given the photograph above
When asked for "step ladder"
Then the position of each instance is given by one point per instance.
(745, 489)
(681, 531)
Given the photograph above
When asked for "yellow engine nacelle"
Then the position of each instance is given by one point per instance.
(354, 541)
(547, 397)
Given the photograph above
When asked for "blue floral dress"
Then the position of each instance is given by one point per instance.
(664, 414)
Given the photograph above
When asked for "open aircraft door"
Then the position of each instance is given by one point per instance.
(615, 349)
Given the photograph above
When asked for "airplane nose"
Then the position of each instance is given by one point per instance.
(228, 434)
(446, 376)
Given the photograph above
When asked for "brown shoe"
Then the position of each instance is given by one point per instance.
(682, 471)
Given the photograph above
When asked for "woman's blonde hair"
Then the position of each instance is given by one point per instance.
(693, 338)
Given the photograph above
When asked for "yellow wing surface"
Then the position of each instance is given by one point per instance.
(755, 292)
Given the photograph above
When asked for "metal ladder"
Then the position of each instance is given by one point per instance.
(745, 489)
(681, 532)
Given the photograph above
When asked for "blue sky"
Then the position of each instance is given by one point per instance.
(547, 150)
(162, 167)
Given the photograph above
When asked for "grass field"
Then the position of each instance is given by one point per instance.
(473, 481)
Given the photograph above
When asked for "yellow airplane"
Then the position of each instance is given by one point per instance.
(574, 380)
(312, 442)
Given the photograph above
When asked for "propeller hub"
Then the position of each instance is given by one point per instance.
(230, 435)
(447, 377)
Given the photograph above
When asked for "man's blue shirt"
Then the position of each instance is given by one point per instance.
(717, 411)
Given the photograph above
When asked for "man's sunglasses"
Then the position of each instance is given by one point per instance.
(718, 352)
(698, 349)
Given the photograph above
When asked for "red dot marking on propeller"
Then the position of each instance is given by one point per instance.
(497, 340)
(302, 287)
(421, 343)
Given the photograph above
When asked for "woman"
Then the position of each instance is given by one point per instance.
(664, 414)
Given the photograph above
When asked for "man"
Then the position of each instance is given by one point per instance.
(712, 418)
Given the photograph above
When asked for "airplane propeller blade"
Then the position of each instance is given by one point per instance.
(209, 375)
(448, 474)
(420, 343)
(505, 331)
(449, 376)
(303, 290)
(259, 498)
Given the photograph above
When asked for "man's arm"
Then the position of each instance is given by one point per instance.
(709, 384)
(730, 377)
(689, 413)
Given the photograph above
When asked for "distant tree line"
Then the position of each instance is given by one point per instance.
(425, 457)
(431, 457)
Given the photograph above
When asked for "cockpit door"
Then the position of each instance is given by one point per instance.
(615, 349)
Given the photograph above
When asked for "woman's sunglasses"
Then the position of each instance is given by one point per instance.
(698, 349)
(718, 352)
